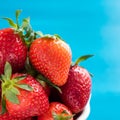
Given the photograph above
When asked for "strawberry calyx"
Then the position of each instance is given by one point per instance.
(82, 58)
(10, 87)
(62, 116)
(24, 30)
(55, 36)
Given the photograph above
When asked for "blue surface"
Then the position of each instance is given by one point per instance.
(90, 27)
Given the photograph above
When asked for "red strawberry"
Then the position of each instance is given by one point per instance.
(57, 111)
(23, 96)
(76, 92)
(52, 57)
(12, 49)
(14, 43)
(7, 116)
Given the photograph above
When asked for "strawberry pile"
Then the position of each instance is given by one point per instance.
(38, 80)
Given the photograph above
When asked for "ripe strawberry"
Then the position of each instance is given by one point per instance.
(22, 96)
(13, 45)
(57, 111)
(12, 49)
(52, 57)
(76, 92)
(7, 116)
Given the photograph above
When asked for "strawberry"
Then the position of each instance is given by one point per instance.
(7, 116)
(12, 49)
(12, 46)
(57, 111)
(52, 57)
(76, 92)
(22, 95)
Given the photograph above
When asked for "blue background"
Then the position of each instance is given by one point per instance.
(89, 27)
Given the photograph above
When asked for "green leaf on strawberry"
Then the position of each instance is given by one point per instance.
(82, 58)
(11, 22)
(15, 91)
(25, 87)
(24, 29)
(11, 96)
(19, 78)
(7, 71)
(17, 14)
(25, 22)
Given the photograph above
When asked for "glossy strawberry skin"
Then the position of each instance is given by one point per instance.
(56, 107)
(52, 58)
(7, 116)
(32, 103)
(76, 92)
(12, 49)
